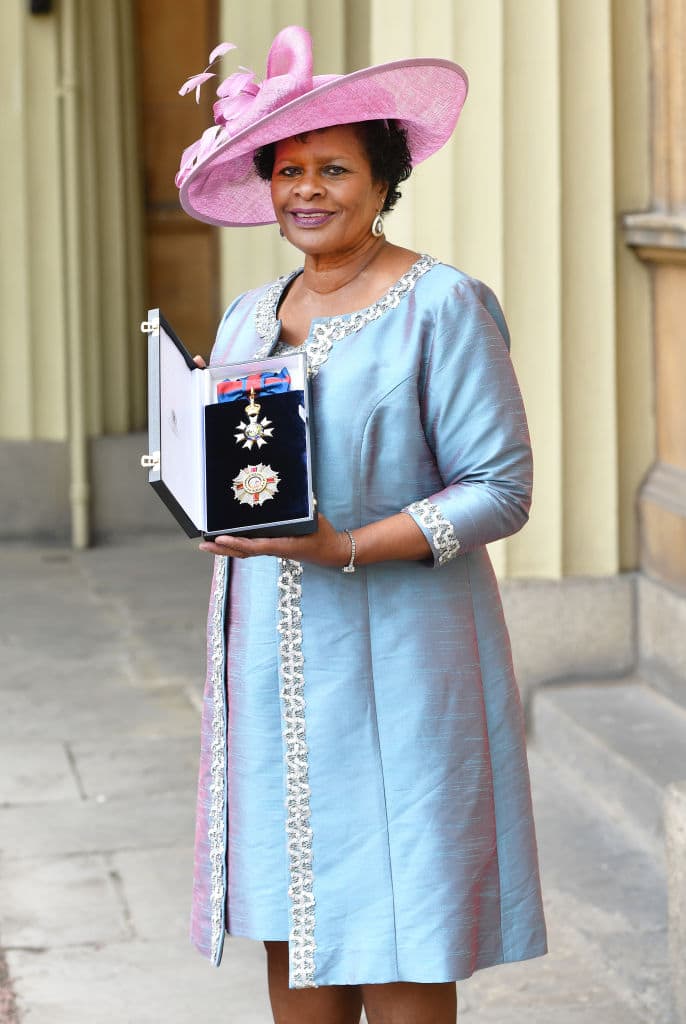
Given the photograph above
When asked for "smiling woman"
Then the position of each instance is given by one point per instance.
(380, 702)
(386, 149)
(323, 183)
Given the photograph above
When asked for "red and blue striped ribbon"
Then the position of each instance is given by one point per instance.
(266, 383)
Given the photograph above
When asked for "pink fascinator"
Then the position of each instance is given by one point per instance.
(217, 180)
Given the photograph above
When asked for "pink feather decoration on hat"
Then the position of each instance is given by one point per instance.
(197, 81)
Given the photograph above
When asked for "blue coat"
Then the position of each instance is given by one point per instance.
(364, 790)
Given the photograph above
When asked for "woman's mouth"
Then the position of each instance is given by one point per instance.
(310, 218)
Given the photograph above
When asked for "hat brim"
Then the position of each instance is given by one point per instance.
(425, 95)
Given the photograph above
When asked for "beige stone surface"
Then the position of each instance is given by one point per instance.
(661, 631)
(675, 829)
(579, 626)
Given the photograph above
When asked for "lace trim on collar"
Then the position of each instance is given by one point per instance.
(327, 330)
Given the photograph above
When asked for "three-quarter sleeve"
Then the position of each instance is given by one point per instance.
(475, 425)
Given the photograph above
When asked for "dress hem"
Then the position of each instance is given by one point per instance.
(431, 976)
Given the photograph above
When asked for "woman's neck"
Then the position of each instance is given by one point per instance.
(325, 274)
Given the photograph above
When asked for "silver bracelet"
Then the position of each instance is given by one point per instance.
(350, 567)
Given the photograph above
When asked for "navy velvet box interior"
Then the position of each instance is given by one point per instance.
(285, 453)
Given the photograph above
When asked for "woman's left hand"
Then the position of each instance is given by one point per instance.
(327, 547)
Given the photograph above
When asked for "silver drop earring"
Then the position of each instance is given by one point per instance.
(377, 226)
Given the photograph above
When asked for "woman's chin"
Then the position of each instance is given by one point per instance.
(314, 241)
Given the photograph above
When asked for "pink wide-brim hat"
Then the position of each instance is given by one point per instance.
(217, 179)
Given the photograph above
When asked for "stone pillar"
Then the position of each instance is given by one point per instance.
(658, 237)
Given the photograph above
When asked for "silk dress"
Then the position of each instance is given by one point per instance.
(363, 789)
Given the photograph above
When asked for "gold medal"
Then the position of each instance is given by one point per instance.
(255, 484)
(254, 431)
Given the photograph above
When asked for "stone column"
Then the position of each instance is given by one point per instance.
(658, 237)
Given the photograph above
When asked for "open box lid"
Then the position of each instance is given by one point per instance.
(174, 424)
(178, 392)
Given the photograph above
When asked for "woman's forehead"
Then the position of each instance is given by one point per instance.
(339, 139)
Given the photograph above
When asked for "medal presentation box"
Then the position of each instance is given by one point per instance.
(230, 450)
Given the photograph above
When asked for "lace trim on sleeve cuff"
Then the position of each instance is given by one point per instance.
(445, 542)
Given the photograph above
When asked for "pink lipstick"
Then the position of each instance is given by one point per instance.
(310, 218)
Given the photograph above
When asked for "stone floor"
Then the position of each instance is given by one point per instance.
(101, 665)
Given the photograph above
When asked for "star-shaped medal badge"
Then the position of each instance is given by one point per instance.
(255, 484)
(254, 432)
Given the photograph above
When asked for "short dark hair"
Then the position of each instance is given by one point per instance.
(384, 142)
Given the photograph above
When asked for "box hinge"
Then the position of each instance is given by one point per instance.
(151, 461)
(148, 326)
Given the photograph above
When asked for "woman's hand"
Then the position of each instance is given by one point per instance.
(326, 547)
(390, 539)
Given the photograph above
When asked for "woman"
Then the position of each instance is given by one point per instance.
(379, 701)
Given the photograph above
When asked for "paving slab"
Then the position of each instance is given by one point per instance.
(92, 827)
(8, 1009)
(143, 766)
(611, 891)
(675, 822)
(67, 618)
(36, 773)
(568, 985)
(594, 1012)
(157, 887)
(50, 902)
(163, 982)
(87, 701)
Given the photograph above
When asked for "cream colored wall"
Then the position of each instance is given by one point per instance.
(32, 330)
(41, 276)
(590, 492)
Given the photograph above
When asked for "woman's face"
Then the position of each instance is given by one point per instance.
(323, 193)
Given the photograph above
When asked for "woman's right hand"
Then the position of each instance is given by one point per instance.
(199, 361)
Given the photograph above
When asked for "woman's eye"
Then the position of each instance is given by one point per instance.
(334, 170)
(288, 172)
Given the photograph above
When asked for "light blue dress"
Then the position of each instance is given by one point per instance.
(364, 790)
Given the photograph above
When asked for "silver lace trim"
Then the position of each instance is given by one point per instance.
(217, 811)
(266, 323)
(441, 529)
(334, 328)
(298, 828)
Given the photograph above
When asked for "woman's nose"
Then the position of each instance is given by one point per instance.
(309, 186)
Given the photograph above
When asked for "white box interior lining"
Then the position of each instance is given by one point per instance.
(181, 433)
